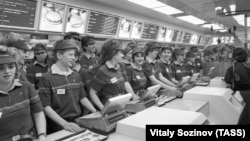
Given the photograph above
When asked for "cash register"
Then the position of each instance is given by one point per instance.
(105, 120)
(147, 99)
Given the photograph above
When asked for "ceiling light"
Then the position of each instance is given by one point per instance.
(168, 10)
(215, 26)
(148, 3)
(192, 19)
(240, 20)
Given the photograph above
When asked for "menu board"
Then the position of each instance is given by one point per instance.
(175, 34)
(199, 39)
(76, 20)
(18, 13)
(186, 37)
(101, 23)
(214, 42)
(52, 17)
(125, 28)
(136, 30)
(162, 34)
(169, 35)
(150, 31)
(194, 39)
(179, 36)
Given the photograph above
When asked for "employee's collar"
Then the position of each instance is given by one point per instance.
(111, 66)
(178, 63)
(150, 60)
(190, 63)
(56, 70)
(16, 83)
(136, 67)
(165, 62)
(125, 61)
(89, 55)
(38, 63)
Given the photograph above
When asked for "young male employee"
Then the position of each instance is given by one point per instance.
(61, 90)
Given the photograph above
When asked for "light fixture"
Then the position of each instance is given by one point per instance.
(157, 6)
(192, 19)
(168, 10)
(240, 20)
(148, 3)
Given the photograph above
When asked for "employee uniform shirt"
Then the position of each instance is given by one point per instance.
(109, 81)
(16, 108)
(178, 71)
(150, 67)
(89, 62)
(198, 65)
(166, 69)
(62, 91)
(137, 78)
(190, 68)
(35, 71)
(241, 76)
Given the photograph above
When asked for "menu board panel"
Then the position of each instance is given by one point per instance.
(52, 17)
(169, 35)
(186, 37)
(175, 34)
(125, 28)
(150, 31)
(18, 13)
(179, 36)
(101, 23)
(76, 20)
(194, 39)
(162, 34)
(136, 30)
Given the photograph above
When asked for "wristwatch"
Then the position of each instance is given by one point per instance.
(42, 134)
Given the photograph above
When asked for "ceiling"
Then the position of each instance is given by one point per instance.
(204, 9)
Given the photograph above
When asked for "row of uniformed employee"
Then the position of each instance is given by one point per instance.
(62, 82)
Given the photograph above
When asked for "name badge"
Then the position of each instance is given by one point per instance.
(39, 74)
(198, 64)
(1, 114)
(60, 91)
(167, 70)
(153, 70)
(178, 71)
(90, 67)
(192, 71)
(138, 77)
(113, 80)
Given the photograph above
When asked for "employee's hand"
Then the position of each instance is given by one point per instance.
(135, 97)
(175, 92)
(42, 138)
(73, 127)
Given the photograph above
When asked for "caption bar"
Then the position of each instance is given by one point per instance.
(218, 132)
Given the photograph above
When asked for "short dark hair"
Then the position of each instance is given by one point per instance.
(68, 35)
(109, 49)
(190, 54)
(166, 48)
(86, 40)
(150, 46)
(240, 55)
(176, 53)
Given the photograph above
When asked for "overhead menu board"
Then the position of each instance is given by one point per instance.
(175, 34)
(102, 23)
(169, 35)
(136, 30)
(125, 28)
(52, 17)
(150, 31)
(179, 36)
(76, 20)
(18, 13)
(194, 39)
(162, 34)
(186, 37)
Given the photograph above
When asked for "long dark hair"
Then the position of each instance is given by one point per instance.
(109, 50)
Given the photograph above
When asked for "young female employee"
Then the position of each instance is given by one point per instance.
(177, 66)
(190, 64)
(61, 90)
(238, 76)
(40, 65)
(152, 70)
(136, 76)
(19, 105)
(111, 78)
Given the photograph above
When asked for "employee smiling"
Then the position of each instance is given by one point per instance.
(111, 78)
